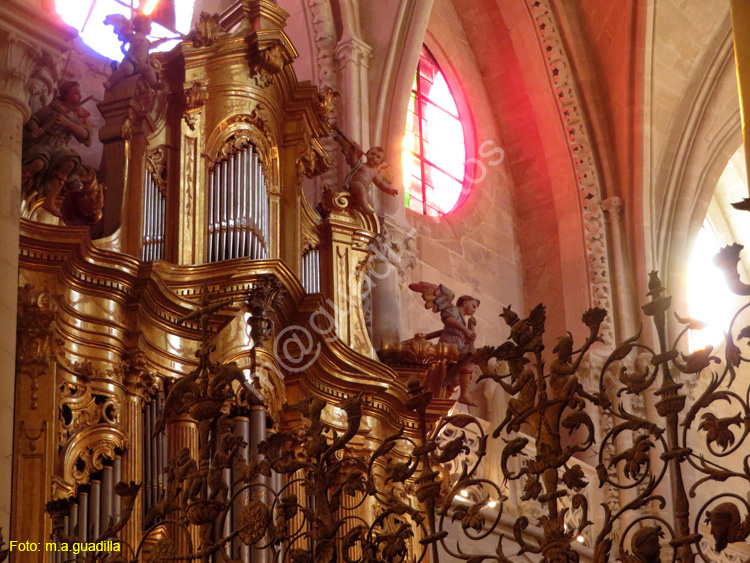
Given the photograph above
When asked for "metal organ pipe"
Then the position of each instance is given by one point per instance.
(224, 209)
(107, 494)
(238, 222)
(116, 478)
(83, 515)
(242, 428)
(230, 208)
(245, 209)
(95, 506)
(147, 501)
(254, 211)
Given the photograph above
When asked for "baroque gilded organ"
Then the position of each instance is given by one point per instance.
(207, 258)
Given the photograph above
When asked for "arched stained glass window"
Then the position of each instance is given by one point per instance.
(87, 16)
(434, 150)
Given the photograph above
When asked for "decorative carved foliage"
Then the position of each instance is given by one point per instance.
(266, 296)
(271, 61)
(195, 98)
(312, 160)
(156, 165)
(136, 374)
(418, 351)
(252, 129)
(395, 248)
(207, 30)
(37, 342)
(80, 409)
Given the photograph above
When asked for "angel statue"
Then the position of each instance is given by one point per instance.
(136, 60)
(374, 170)
(458, 328)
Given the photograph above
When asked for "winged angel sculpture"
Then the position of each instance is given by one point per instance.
(458, 329)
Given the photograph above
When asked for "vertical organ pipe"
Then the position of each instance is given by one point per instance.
(73, 519)
(107, 494)
(160, 452)
(154, 455)
(146, 457)
(83, 516)
(225, 208)
(257, 435)
(219, 206)
(116, 478)
(237, 202)
(95, 507)
(211, 197)
(254, 211)
(242, 428)
(244, 207)
(230, 208)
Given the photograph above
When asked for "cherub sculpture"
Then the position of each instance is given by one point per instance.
(458, 328)
(374, 170)
(48, 162)
(135, 34)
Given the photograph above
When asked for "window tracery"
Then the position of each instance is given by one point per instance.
(434, 148)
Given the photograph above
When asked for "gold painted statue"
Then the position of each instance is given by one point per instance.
(374, 170)
(48, 162)
(458, 329)
(136, 58)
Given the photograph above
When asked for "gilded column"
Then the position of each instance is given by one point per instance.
(345, 256)
(138, 380)
(127, 124)
(28, 39)
(191, 221)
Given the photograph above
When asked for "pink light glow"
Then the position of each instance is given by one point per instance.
(442, 147)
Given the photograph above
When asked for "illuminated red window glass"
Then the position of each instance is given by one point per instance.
(434, 150)
(87, 16)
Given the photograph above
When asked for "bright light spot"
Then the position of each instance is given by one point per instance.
(580, 539)
(87, 16)
(464, 493)
(149, 6)
(709, 298)
(492, 504)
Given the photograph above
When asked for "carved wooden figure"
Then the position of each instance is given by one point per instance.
(459, 323)
(136, 59)
(48, 162)
(373, 170)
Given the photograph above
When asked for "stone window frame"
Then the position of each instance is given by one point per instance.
(427, 56)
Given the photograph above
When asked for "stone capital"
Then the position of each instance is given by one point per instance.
(395, 246)
(353, 50)
(612, 208)
(31, 41)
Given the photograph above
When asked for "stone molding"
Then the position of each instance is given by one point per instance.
(583, 156)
